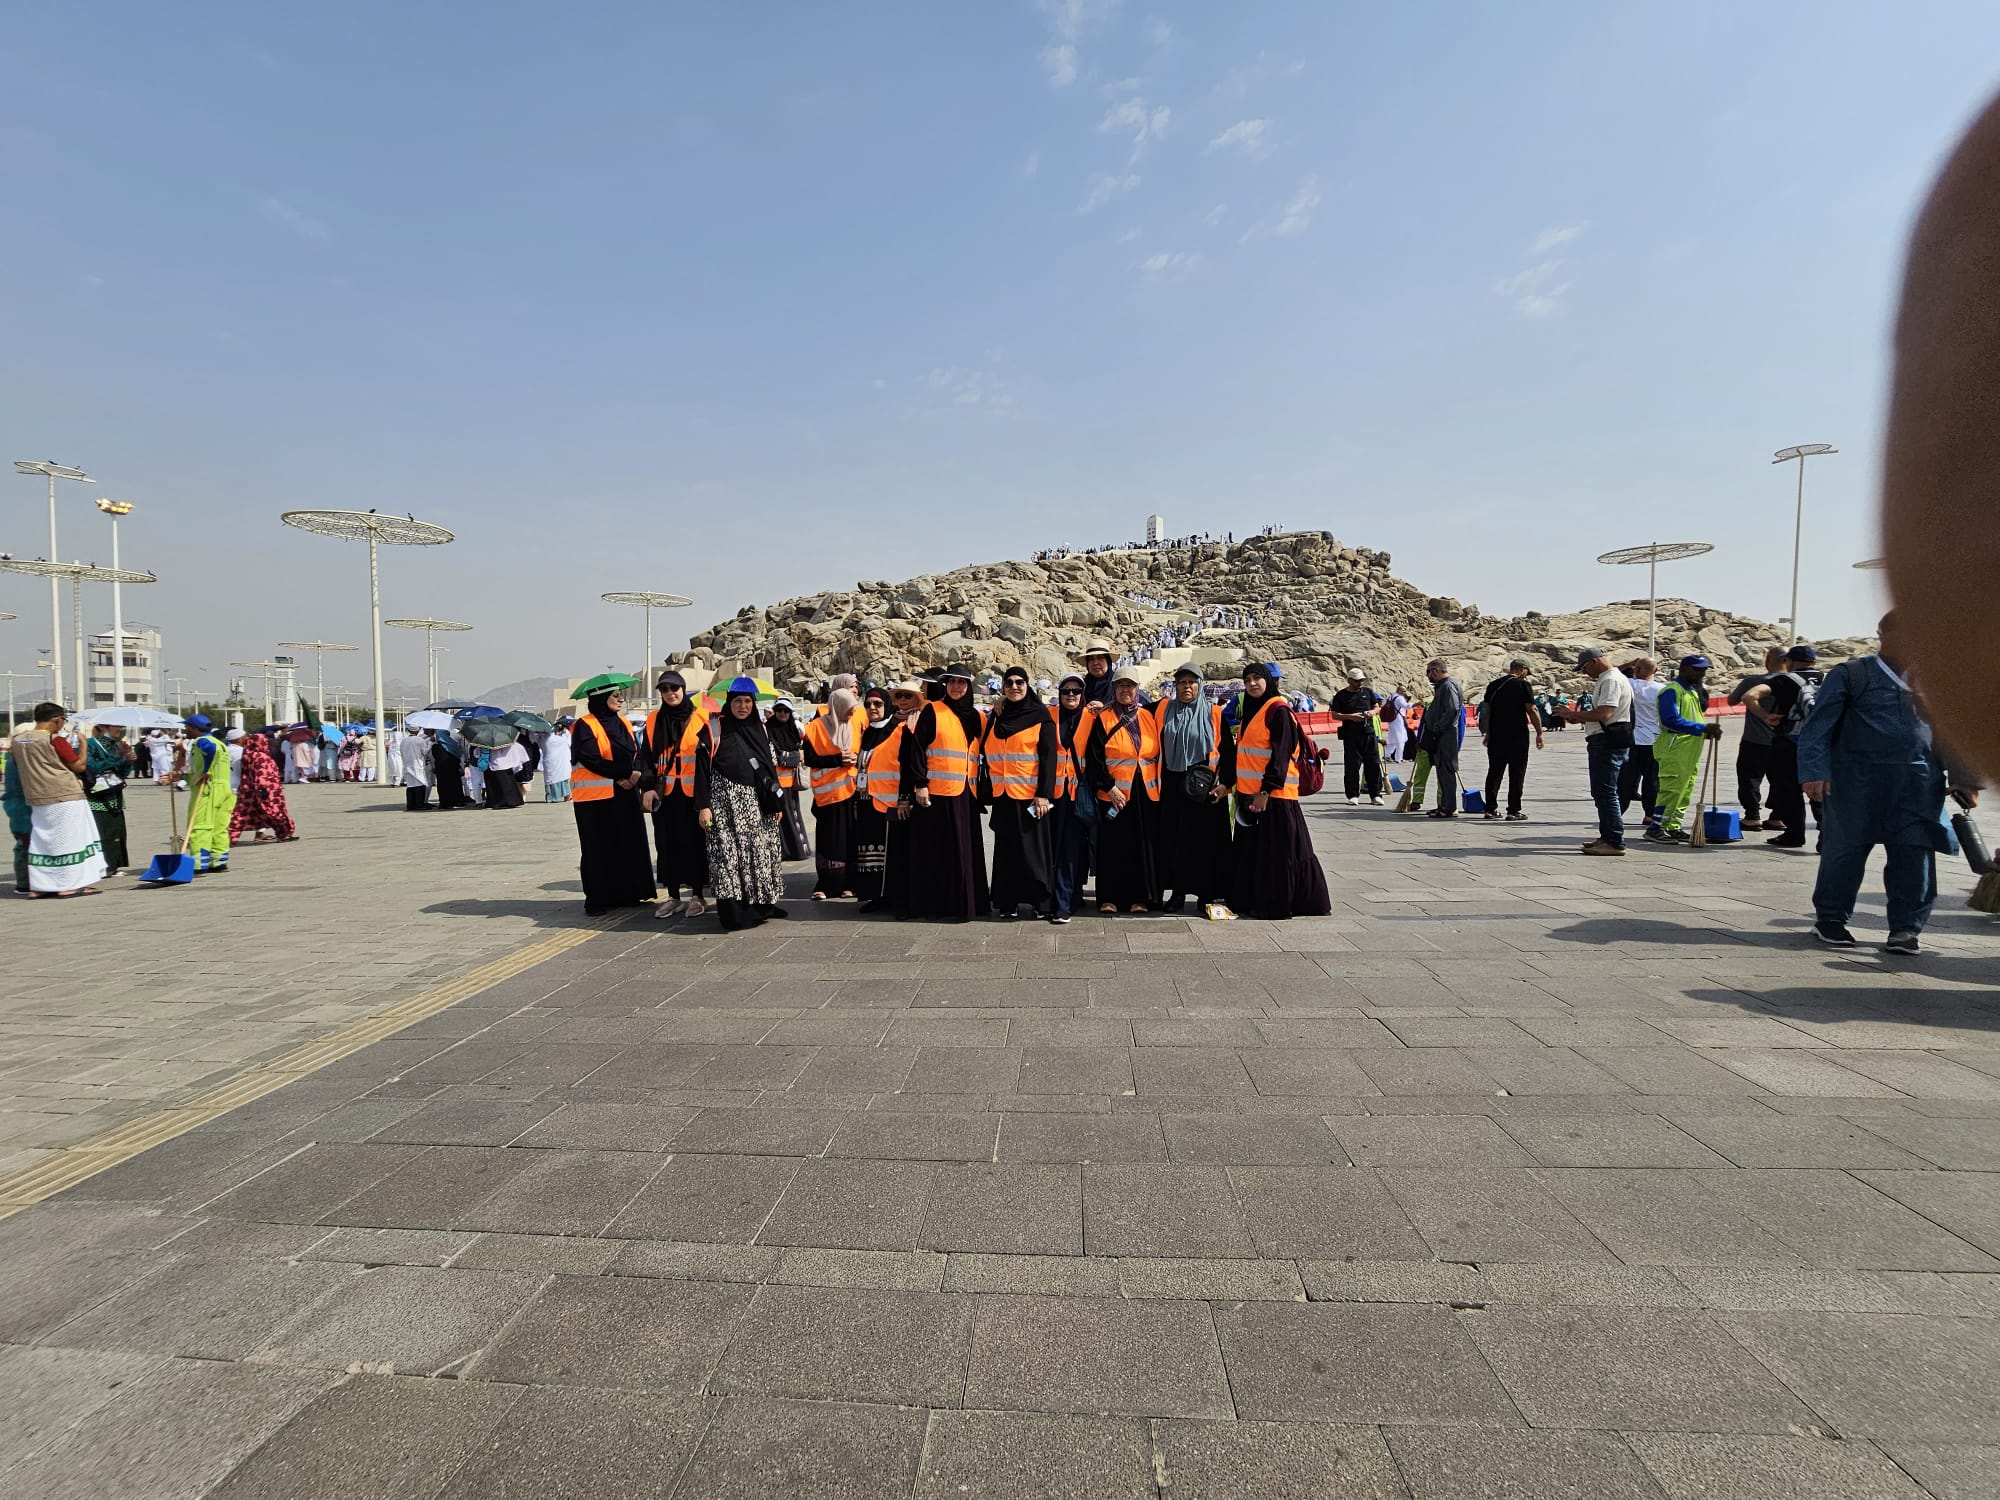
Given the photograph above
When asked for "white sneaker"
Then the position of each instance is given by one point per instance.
(1374, 801)
(1353, 801)
(1217, 912)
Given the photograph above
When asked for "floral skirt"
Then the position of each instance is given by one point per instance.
(744, 853)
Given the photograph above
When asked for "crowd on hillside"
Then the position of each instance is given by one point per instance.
(1163, 544)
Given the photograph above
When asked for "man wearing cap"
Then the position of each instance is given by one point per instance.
(1097, 673)
(1783, 703)
(1684, 730)
(210, 801)
(1356, 707)
(1507, 722)
(1607, 727)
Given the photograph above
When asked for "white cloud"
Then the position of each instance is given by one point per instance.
(1067, 20)
(1298, 215)
(1134, 233)
(1158, 33)
(282, 215)
(1251, 137)
(969, 390)
(1215, 215)
(1104, 186)
(1059, 62)
(1239, 81)
(1170, 265)
(1136, 118)
(1535, 292)
(1550, 239)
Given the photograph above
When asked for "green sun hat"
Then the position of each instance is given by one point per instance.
(604, 682)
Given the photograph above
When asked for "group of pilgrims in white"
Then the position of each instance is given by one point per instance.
(1160, 803)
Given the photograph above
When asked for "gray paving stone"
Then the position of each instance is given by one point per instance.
(1138, 1358)
(761, 1132)
(654, 1066)
(1666, 1070)
(1466, 1464)
(401, 1320)
(683, 1261)
(1324, 1212)
(1457, 1031)
(1773, 1468)
(170, 1170)
(720, 1198)
(1019, 1208)
(1250, 1139)
(1501, 1214)
(563, 1254)
(1074, 1070)
(1275, 1461)
(1426, 1070)
(905, 1348)
(751, 1067)
(1899, 1379)
(1559, 1284)
(306, 1186)
(864, 1270)
(468, 1122)
(1161, 1210)
(1956, 1145)
(591, 1126)
(388, 1247)
(1394, 1281)
(172, 1434)
(856, 1205)
(1802, 1074)
(1428, 1141)
(1665, 1217)
(856, 1070)
(564, 1192)
(1033, 1275)
(389, 1438)
(888, 1136)
(1294, 1034)
(434, 1191)
(1791, 1142)
(1188, 1279)
(621, 1333)
(1631, 1369)
(962, 1070)
(997, 1455)
(1965, 1203)
(1830, 1219)
(557, 1444)
(1527, 1070)
(759, 1446)
(46, 1392)
(1967, 1472)
(1081, 1138)
(203, 1311)
(1614, 1141)
(1354, 1362)
(1319, 1073)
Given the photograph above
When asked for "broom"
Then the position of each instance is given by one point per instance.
(1698, 835)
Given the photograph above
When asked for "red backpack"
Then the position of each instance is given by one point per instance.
(1308, 757)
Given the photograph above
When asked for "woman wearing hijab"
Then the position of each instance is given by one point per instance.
(831, 755)
(1197, 765)
(107, 765)
(788, 758)
(868, 856)
(1072, 813)
(675, 776)
(349, 757)
(1019, 760)
(260, 796)
(503, 775)
(947, 864)
(1122, 767)
(604, 792)
(740, 805)
(448, 769)
(1277, 873)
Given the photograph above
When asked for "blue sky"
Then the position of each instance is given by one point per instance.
(757, 299)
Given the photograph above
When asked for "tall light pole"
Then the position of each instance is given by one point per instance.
(319, 650)
(179, 685)
(78, 574)
(1802, 452)
(1652, 555)
(430, 628)
(649, 601)
(54, 471)
(115, 509)
(267, 667)
(378, 531)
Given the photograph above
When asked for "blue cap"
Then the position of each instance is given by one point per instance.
(1695, 663)
(1269, 668)
(741, 686)
(199, 721)
(1802, 653)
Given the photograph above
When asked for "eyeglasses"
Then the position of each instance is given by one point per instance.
(1072, 692)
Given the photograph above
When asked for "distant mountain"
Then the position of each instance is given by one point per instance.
(531, 692)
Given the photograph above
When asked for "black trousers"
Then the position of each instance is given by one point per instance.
(416, 799)
(1788, 798)
(1361, 757)
(1640, 780)
(1753, 764)
(1444, 767)
(1509, 758)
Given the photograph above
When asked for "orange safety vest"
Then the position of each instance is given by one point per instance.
(884, 771)
(586, 785)
(1159, 712)
(832, 784)
(676, 767)
(1253, 757)
(1125, 764)
(1070, 756)
(1012, 760)
(948, 761)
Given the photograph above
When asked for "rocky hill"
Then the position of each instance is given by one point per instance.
(1317, 606)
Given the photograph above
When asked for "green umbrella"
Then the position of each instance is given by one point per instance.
(488, 734)
(603, 682)
(534, 723)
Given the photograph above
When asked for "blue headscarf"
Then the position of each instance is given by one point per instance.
(1187, 733)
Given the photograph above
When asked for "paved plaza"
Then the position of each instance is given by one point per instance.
(1520, 1175)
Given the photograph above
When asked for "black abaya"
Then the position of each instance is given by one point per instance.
(616, 866)
(1127, 867)
(450, 774)
(947, 863)
(1023, 868)
(833, 845)
(1277, 873)
(683, 847)
(503, 788)
(1192, 842)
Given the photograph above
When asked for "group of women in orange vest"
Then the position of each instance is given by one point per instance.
(1164, 802)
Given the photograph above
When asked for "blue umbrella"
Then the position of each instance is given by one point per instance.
(479, 711)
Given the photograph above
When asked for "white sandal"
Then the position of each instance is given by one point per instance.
(670, 909)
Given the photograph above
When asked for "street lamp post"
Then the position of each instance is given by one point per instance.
(115, 509)
(378, 531)
(319, 650)
(179, 685)
(430, 628)
(1802, 452)
(54, 471)
(649, 601)
(78, 574)
(1652, 555)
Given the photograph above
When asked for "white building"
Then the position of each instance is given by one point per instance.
(1156, 530)
(143, 683)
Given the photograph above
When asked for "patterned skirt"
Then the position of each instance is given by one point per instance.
(744, 853)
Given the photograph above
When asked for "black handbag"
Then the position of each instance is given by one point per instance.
(770, 796)
(1199, 783)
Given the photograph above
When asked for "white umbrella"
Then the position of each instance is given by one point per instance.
(427, 718)
(132, 718)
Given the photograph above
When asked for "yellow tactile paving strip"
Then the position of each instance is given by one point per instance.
(101, 1152)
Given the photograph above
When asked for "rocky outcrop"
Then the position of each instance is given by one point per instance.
(1319, 608)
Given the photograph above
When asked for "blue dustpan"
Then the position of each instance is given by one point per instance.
(169, 869)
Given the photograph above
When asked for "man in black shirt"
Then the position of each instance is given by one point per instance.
(1507, 721)
(1355, 707)
(1783, 703)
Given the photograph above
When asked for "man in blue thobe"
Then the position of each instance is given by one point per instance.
(1865, 750)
